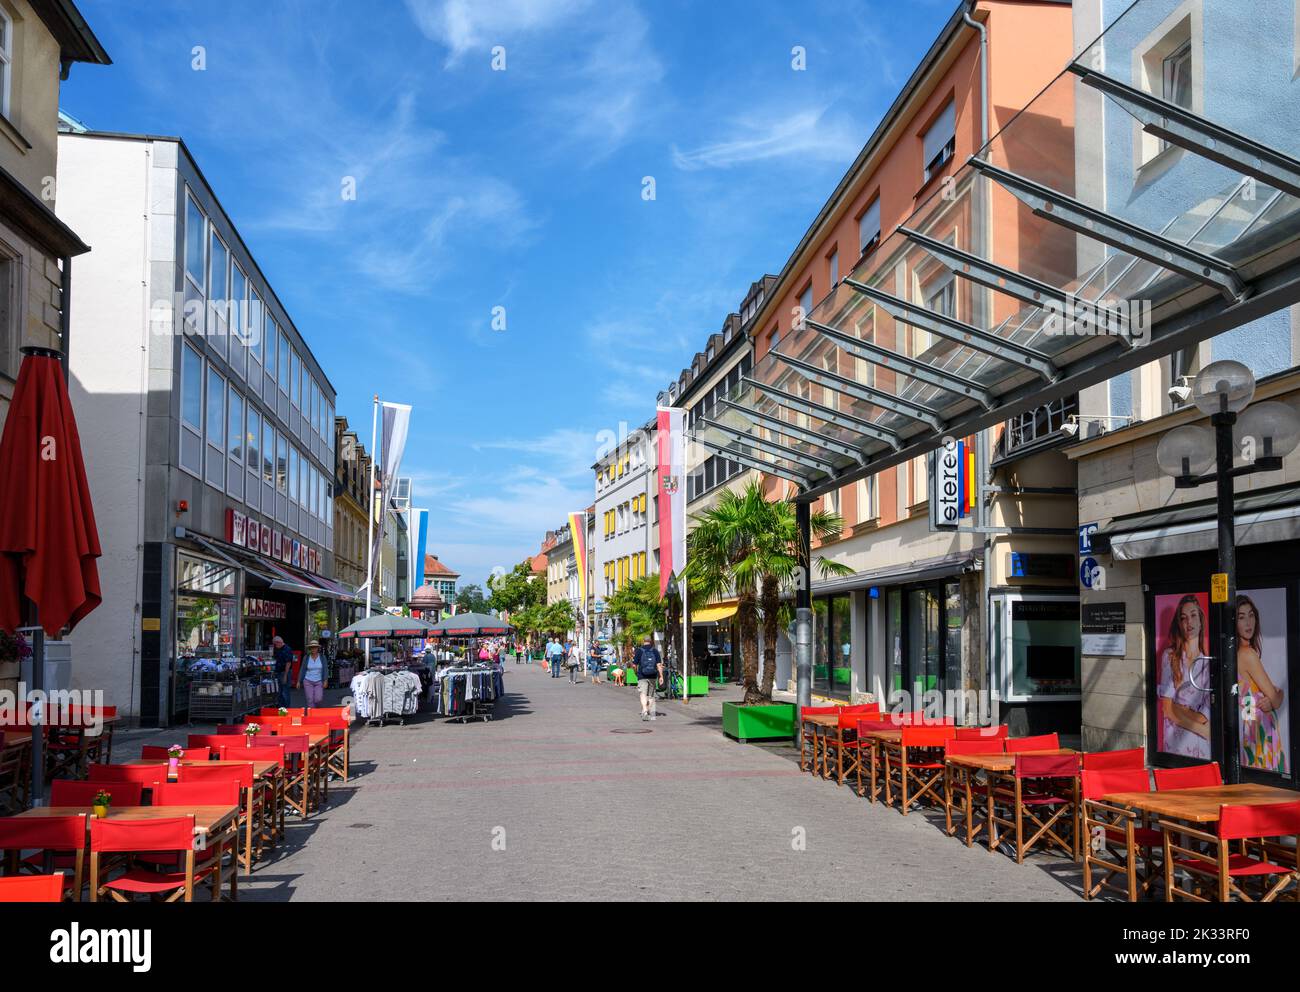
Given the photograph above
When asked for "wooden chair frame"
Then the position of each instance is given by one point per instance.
(920, 778)
(1110, 832)
(1013, 796)
(1177, 858)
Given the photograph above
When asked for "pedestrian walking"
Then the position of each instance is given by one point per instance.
(554, 657)
(312, 679)
(649, 675)
(593, 663)
(282, 655)
(573, 662)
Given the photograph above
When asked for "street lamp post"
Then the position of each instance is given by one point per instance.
(1263, 435)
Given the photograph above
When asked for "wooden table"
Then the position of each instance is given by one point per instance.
(994, 765)
(212, 825)
(1201, 805)
(75, 765)
(272, 800)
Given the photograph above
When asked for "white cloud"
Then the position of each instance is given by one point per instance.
(591, 68)
(808, 134)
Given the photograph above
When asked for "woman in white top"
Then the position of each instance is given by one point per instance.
(313, 679)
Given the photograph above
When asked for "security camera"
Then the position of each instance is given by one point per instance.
(1070, 428)
(1180, 392)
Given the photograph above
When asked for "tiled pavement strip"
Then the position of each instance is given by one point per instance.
(549, 801)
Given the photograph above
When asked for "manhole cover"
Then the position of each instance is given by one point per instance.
(359, 826)
(646, 731)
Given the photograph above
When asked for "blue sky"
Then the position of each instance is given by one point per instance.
(519, 189)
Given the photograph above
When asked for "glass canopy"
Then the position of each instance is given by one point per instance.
(1103, 227)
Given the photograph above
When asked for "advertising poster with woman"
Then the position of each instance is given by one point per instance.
(1184, 674)
(1261, 674)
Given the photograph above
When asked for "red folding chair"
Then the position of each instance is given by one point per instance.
(146, 775)
(1107, 760)
(846, 743)
(964, 792)
(997, 733)
(873, 748)
(1045, 791)
(274, 711)
(250, 797)
(59, 842)
(33, 888)
(154, 838)
(1042, 742)
(66, 793)
(918, 761)
(809, 733)
(151, 752)
(338, 759)
(298, 786)
(1113, 835)
(1233, 872)
(273, 819)
(1191, 777)
(215, 742)
(319, 759)
(215, 793)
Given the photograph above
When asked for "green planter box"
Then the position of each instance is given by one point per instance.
(697, 685)
(768, 722)
(821, 672)
(843, 676)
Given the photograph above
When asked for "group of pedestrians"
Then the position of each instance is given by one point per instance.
(564, 656)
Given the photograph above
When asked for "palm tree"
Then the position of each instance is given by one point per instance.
(781, 563)
(743, 543)
(639, 608)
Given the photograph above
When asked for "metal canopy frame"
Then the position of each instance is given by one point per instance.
(1117, 232)
(910, 367)
(759, 464)
(1008, 369)
(801, 405)
(774, 448)
(910, 409)
(956, 330)
(801, 433)
(1197, 134)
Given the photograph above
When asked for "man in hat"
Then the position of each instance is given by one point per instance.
(312, 678)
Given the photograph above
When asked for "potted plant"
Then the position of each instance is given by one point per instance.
(251, 730)
(174, 755)
(101, 803)
(748, 546)
(283, 711)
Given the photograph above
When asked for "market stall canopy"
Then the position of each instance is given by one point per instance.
(472, 625)
(1048, 262)
(386, 625)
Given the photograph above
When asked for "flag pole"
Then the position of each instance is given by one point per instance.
(370, 519)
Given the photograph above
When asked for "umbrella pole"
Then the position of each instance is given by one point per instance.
(38, 724)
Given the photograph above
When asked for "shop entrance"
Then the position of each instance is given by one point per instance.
(924, 632)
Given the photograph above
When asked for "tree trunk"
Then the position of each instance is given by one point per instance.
(747, 614)
(771, 606)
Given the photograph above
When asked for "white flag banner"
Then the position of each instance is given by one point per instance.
(397, 421)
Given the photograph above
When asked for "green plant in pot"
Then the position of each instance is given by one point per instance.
(101, 802)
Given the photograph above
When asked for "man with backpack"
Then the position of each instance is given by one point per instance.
(649, 674)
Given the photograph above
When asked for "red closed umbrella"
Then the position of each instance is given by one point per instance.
(48, 539)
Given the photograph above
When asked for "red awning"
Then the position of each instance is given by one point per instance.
(48, 538)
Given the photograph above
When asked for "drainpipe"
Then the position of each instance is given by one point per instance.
(982, 444)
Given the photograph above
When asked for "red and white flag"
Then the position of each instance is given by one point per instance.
(671, 494)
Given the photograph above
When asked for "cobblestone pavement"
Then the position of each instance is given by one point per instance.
(563, 796)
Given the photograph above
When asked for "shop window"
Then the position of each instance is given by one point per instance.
(1042, 649)
(939, 142)
(216, 430)
(191, 453)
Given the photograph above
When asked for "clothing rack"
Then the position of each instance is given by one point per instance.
(483, 685)
(378, 698)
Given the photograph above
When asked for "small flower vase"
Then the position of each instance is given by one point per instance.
(173, 767)
(100, 811)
